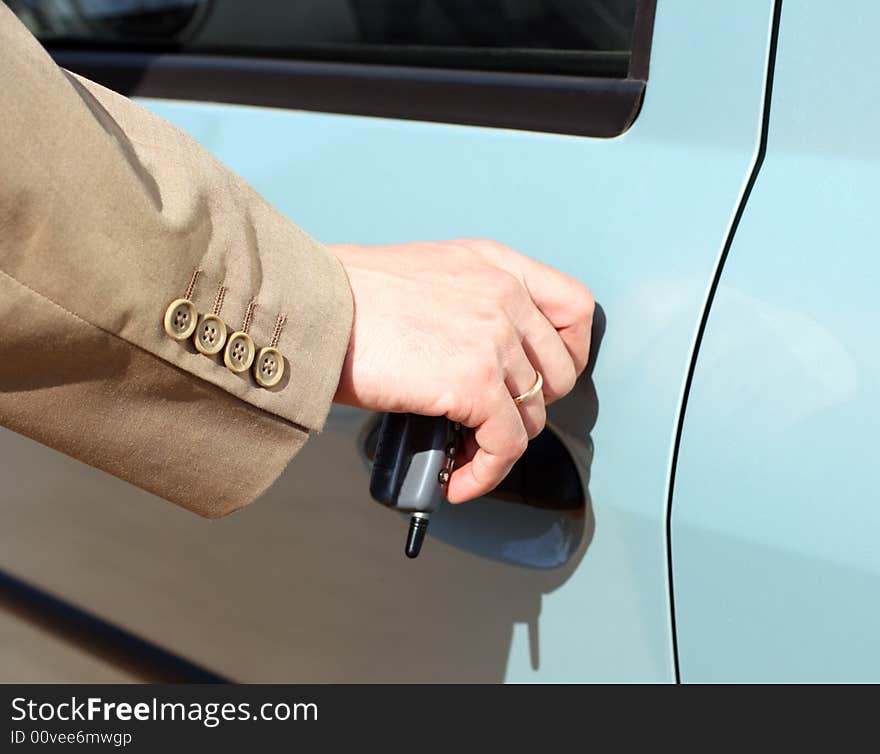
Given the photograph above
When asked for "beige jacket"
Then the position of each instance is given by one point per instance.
(108, 214)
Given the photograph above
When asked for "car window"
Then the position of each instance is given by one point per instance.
(582, 37)
(564, 66)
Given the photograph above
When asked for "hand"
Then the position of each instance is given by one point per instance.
(456, 329)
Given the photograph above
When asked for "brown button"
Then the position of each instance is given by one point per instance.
(239, 353)
(181, 318)
(269, 367)
(210, 335)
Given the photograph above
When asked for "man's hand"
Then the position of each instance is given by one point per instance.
(456, 329)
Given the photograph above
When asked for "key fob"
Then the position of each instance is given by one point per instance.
(414, 457)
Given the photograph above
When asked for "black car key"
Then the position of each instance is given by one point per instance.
(414, 459)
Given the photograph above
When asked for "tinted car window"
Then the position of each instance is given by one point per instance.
(577, 37)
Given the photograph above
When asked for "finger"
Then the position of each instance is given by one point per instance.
(547, 353)
(501, 439)
(565, 302)
(467, 449)
(521, 377)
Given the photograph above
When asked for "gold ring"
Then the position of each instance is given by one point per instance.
(532, 391)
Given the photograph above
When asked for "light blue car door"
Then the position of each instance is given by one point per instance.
(310, 582)
(775, 516)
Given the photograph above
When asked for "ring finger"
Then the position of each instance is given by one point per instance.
(521, 377)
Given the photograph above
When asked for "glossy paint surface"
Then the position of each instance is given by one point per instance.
(776, 515)
(263, 595)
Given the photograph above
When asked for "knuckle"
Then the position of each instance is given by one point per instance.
(505, 287)
(505, 337)
(493, 246)
(519, 442)
(567, 380)
(537, 425)
(484, 374)
(485, 244)
(587, 304)
(499, 330)
(560, 383)
(462, 254)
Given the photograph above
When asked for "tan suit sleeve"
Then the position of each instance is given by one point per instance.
(106, 213)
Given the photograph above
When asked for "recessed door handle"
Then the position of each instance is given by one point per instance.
(534, 518)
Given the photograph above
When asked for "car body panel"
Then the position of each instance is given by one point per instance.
(310, 584)
(775, 513)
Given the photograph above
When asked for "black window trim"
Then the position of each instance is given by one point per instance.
(565, 104)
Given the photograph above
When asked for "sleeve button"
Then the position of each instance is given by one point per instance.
(181, 319)
(269, 367)
(210, 335)
(239, 353)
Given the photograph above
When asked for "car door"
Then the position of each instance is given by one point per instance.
(775, 516)
(387, 122)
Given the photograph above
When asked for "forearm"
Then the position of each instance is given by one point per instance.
(106, 212)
